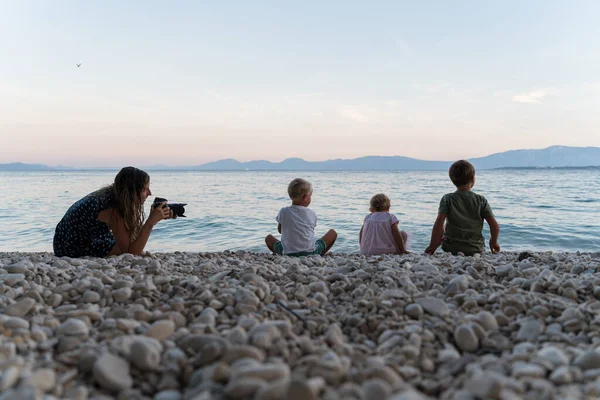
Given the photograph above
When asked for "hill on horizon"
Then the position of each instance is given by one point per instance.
(550, 157)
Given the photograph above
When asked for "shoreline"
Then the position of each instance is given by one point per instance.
(183, 325)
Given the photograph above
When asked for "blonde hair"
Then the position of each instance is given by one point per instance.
(299, 188)
(380, 202)
(126, 193)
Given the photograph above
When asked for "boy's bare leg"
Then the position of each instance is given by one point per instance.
(329, 239)
(270, 241)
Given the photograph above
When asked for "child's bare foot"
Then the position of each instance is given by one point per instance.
(270, 241)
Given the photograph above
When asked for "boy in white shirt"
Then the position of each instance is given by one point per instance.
(297, 225)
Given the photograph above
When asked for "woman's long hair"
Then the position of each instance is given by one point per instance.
(126, 192)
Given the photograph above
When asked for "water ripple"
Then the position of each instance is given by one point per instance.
(541, 210)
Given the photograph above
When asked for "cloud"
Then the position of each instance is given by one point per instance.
(353, 114)
(534, 96)
(431, 87)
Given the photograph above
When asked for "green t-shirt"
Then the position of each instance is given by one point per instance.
(465, 212)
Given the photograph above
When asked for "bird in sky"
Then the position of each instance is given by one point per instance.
(78, 65)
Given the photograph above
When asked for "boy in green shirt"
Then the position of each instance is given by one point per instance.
(464, 212)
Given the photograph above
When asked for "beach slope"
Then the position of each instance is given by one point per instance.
(245, 325)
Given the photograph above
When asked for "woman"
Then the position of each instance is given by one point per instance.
(110, 221)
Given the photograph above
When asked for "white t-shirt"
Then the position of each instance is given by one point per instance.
(377, 235)
(297, 229)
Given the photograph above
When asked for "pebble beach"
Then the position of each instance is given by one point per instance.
(199, 326)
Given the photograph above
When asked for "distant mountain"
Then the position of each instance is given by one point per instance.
(551, 157)
(24, 167)
(370, 163)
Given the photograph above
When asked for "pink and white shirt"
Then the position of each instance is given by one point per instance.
(377, 235)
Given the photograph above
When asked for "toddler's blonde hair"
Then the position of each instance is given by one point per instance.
(380, 202)
(298, 188)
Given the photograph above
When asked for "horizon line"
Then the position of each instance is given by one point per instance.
(182, 167)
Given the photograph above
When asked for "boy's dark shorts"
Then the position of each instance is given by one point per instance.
(319, 250)
(453, 247)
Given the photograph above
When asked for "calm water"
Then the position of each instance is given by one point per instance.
(540, 210)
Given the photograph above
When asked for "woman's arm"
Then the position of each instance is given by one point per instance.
(121, 234)
(360, 234)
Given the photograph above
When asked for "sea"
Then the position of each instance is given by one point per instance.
(537, 209)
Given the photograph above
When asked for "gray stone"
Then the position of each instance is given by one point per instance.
(146, 353)
(588, 360)
(122, 295)
(465, 338)
(167, 395)
(12, 279)
(414, 311)
(433, 306)
(74, 327)
(527, 370)
(43, 379)
(161, 329)
(485, 385)
(20, 308)
(9, 377)
(91, 297)
(112, 373)
(487, 320)
(529, 331)
(555, 355)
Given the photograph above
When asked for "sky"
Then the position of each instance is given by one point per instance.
(189, 82)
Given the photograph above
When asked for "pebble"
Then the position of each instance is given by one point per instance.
(465, 338)
(193, 326)
(43, 379)
(555, 355)
(73, 327)
(434, 306)
(91, 297)
(167, 395)
(20, 308)
(487, 320)
(414, 311)
(112, 373)
(529, 330)
(145, 353)
(122, 295)
(9, 377)
(161, 330)
(485, 385)
(588, 360)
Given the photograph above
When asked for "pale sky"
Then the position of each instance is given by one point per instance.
(188, 82)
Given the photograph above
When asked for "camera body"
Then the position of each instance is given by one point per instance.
(177, 208)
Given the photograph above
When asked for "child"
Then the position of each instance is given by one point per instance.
(379, 233)
(297, 225)
(464, 212)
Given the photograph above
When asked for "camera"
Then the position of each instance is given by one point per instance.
(177, 208)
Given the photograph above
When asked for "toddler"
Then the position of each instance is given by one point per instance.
(379, 233)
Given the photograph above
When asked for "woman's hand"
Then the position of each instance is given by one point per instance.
(160, 212)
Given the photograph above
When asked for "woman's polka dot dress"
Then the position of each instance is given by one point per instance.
(79, 233)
